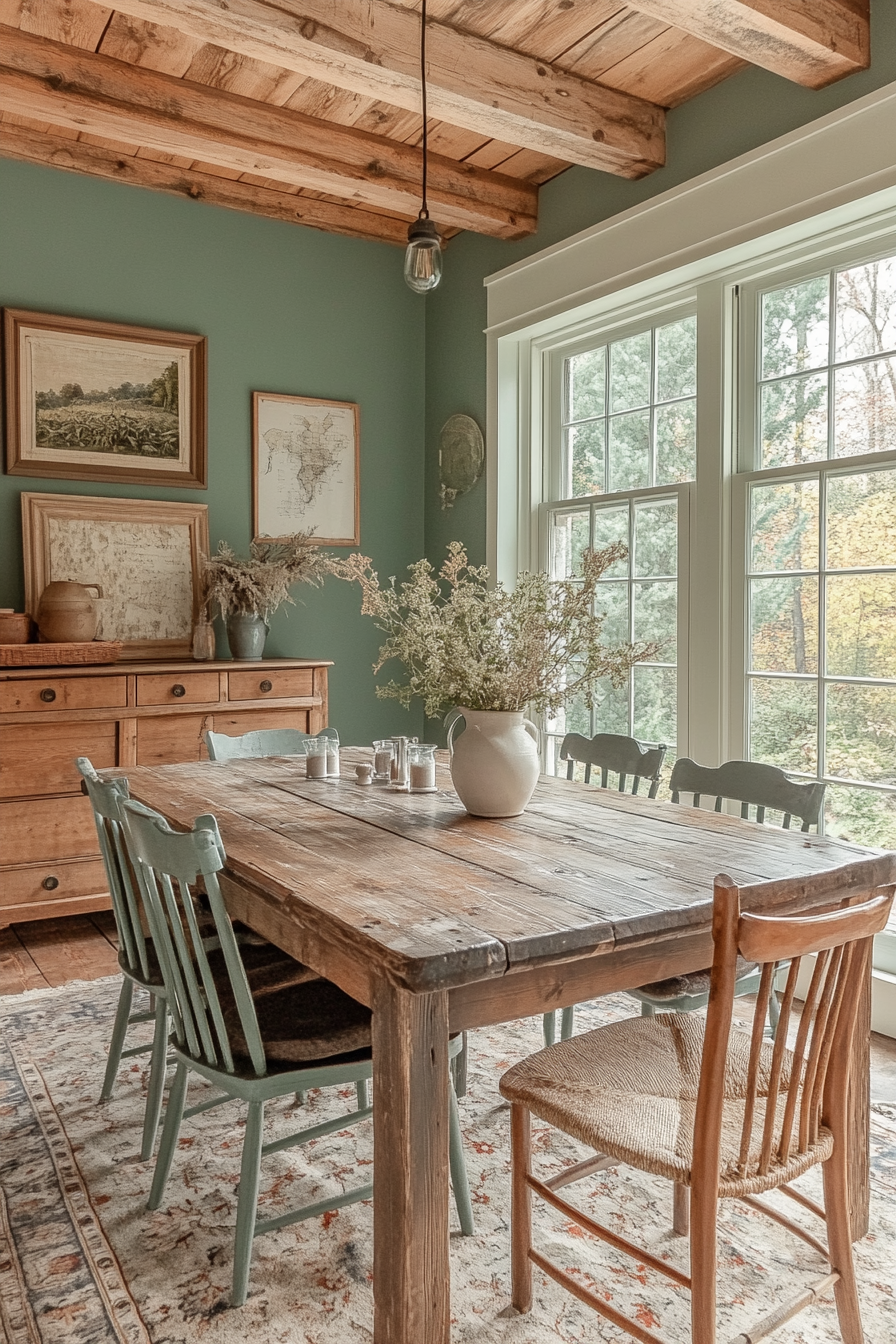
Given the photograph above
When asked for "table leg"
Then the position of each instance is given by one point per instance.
(860, 1117)
(411, 1284)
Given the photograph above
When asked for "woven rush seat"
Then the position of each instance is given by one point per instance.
(629, 1090)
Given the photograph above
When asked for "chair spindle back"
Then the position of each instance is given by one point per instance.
(752, 784)
(617, 754)
(106, 797)
(169, 865)
(791, 1093)
(262, 742)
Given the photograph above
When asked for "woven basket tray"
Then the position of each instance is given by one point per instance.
(77, 654)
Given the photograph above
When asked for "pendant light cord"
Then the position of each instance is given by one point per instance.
(424, 212)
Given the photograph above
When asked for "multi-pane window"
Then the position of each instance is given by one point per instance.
(822, 545)
(629, 412)
(638, 597)
(628, 429)
(827, 385)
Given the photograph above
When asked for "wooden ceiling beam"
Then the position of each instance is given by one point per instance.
(809, 43)
(98, 95)
(371, 47)
(57, 151)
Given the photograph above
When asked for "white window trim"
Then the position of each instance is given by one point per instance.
(826, 187)
(814, 189)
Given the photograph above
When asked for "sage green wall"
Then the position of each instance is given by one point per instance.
(285, 309)
(736, 116)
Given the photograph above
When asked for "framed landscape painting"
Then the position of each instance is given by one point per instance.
(101, 401)
(305, 468)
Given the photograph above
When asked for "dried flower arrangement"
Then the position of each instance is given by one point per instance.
(260, 584)
(463, 642)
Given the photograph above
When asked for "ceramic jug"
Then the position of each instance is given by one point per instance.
(67, 613)
(494, 765)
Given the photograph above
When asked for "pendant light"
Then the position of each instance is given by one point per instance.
(423, 258)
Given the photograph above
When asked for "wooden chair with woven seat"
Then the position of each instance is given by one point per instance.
(254, 1044)
(262, 742)
(628, 759)
(266, 965)
(726, 1112)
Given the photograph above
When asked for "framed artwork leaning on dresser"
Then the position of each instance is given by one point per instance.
(104, 401)
(144, 554)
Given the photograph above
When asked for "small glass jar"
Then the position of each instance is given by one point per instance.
(422, 760)
(332, 753)
(316, 755)
(383, 755)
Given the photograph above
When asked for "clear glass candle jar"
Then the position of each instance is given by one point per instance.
(422, 761)
(316, 757)
(332, 753)
(383, 753)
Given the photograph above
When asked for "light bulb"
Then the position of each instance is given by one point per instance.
(423, 258)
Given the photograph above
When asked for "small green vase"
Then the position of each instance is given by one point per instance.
(246, 635)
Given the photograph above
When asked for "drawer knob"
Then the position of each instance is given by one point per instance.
(48, 695)
(178, 691)
(265, 685)
(50, 883)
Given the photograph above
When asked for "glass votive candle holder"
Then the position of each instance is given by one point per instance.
(316, 753)
(422, 760)
(383, 753)
(332, 757)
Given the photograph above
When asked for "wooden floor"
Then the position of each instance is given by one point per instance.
(84, 947)
(53, 951)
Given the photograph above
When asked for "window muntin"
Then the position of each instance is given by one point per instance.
(638, 597)
(827, 366)
(822, 641)
(628, 418)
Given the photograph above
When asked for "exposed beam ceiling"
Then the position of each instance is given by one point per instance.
(371, 48)
(86, 92)
(33, 146)
(811, 42)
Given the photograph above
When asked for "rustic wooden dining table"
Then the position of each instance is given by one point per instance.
(442, 922)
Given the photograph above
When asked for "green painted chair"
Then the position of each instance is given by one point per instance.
(263, 742)
(136, 955)
(627, 758)
(752, 784)
(252, 1046)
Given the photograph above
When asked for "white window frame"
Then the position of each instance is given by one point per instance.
(826, 188)
(551, 356)
(750, 470)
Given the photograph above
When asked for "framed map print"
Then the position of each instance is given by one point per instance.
(102, 401)
(146, 555)
(305, 468)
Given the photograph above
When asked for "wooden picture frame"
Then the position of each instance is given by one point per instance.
(104, 401)
(145, 554)
(306, 468)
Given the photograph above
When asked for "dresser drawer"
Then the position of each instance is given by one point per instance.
(178, 688)
(54, 693)
(43, 883)
(170, 739)
(39, 830)
(251, 720)
(39, 758)
(270, 684)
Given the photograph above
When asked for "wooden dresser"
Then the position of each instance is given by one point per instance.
(123, 714)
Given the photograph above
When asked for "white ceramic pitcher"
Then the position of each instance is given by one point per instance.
(495, 763)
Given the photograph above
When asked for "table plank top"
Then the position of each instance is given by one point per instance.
(437, 897)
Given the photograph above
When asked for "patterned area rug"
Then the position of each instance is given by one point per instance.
(83, 1262)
